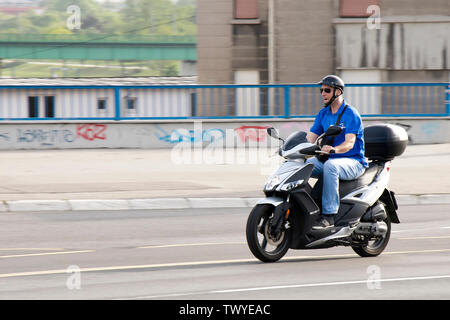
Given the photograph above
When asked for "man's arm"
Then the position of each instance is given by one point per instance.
(345, 146)
(311, 137)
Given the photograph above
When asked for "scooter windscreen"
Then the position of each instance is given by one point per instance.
(293, 140)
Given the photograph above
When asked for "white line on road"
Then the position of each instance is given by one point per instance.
(197, 263)
(420, 229)
(292, 286)
(190, 245)
(423, 238)
(45, 254)
(328, 284)
(31, 249)
(244, 243)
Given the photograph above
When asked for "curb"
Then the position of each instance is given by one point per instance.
(173, 203)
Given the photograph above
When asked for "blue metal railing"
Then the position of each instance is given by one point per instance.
(215, 101)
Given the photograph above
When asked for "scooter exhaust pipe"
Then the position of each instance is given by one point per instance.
(372, 229)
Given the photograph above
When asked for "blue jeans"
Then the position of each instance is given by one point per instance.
(332, 170)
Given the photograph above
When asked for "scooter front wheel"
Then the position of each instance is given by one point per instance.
(266, 245)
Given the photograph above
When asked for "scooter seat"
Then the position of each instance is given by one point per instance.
(347, 186)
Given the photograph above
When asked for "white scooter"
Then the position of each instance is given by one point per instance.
(283, 219)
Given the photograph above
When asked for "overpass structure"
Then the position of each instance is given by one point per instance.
(97, 47)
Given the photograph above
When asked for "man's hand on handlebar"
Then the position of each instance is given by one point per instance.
(326, 149)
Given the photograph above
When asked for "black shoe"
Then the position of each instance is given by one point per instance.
(325, 221)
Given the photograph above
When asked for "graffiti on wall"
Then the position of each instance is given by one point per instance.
(430, 128)
(44, 136)
(216, 135)
(256, 135)
(4, 136)
(52, 135)
(191, 136)
(91, 132)
(252, 133)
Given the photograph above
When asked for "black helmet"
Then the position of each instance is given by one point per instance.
(333, 81)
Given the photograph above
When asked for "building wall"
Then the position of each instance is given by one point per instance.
(182, 136)
(411, 43)
(311, 40)
(83, 103)
(304, 40)
(214, 40)
(414, 7)
(402, 49)
(250, 43)
(299, 31)
(301, 27)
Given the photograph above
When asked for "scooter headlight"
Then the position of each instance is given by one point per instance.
(291, 185)
(272, 183)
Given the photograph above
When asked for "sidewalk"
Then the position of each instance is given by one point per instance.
(120, 179)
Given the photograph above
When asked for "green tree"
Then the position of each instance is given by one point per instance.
(152, 17)
(86, 6)
(133, 17)
(140, 17)
(94, 17)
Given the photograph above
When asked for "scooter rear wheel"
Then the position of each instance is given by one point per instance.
(265, 245)
(376, 246)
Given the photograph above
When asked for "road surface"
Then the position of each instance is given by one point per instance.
(202, 254)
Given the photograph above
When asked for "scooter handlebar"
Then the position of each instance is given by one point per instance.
(323, 152)
(310, 150)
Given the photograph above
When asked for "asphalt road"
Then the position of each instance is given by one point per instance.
(202, 254)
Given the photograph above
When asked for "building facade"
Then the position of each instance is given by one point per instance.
(96, 98)
(291, 41)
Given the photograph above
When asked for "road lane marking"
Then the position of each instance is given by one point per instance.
(422, 238)
(45, 254)
(119, 268)
(417, 251)
(200, 263)
(421, 229)
(291, 286)
(190, 245)
(328, 284)
(31, 249)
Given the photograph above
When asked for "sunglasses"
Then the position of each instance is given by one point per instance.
(327, 90)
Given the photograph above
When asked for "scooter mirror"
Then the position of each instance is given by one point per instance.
(333, 131)
(273, 133)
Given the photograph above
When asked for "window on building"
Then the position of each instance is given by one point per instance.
(356, 8)
(49, 106)
(33, 107)
(131, 103)
(194, 104)
(102, 104)
(246, 9)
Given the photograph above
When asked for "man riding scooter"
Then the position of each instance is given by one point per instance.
(342, 157)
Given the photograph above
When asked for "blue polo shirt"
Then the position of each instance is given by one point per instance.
(352, 123)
